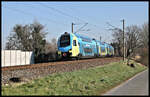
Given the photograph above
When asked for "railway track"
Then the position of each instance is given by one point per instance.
(29, 72)
(52, 63)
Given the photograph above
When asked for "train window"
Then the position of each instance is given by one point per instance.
(85, 39)
(78, 43)
(110, 50)
(103, 49)
(107, 49)
(74, 43)
(87, 50)
(64, 40)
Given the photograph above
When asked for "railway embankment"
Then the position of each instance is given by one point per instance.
(93, 80)
(30, 72)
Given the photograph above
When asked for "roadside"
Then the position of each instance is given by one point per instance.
(138, 85)
(91, 81)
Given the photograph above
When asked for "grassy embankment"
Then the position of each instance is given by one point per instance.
(92, 81)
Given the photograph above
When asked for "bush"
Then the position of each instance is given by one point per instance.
(144, 53)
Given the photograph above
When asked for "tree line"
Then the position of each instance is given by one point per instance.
(136, 40)
(31, 37)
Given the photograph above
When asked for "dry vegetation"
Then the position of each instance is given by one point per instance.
(136, 42)
(143, 56)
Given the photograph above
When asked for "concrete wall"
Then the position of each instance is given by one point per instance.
(16, 57)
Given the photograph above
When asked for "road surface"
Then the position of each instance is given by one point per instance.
(138, 85)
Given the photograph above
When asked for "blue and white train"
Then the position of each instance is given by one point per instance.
(73, 45)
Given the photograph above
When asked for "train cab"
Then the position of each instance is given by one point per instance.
(68, 45)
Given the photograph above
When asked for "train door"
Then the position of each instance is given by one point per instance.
(100, 53)
(97, 48)
(110, 49)
(107, 51)
(75, 47)
(103, 51)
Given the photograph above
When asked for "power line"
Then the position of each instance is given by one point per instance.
(86, 16)
(81, 27)
(94, 25)
(61, 12)
(65, 14)
(20, 11)
(68, 15)
(55, 10)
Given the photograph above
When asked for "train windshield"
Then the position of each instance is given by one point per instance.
(64, 40)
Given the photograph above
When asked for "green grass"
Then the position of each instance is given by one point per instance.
(92, 81)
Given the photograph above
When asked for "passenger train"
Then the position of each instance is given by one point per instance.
(73, 45)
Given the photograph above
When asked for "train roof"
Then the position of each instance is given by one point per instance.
(89, 39)
(83, 37)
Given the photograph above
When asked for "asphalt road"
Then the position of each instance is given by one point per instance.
(138, 85)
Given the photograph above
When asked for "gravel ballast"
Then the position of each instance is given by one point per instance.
(44, 69)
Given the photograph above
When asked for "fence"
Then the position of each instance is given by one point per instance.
(16, 57)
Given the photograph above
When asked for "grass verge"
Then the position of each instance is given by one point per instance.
(92, 81)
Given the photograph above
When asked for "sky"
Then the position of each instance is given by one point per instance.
(58, 16)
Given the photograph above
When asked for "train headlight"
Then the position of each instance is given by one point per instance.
(59, 52)
(64, 54)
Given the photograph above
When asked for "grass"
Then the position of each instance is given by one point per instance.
(92, 81)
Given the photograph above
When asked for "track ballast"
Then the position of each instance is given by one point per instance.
(29, 72)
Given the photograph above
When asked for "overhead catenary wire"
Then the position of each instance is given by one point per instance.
(30, 14)
(56, 10)
(26, 13)
(86, 16)
(65, 14)
(94, 25)
(61, 12)
(81, 27)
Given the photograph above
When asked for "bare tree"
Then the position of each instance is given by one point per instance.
(50, 50)
(54, 44)
(12, 43)
(144, 41)
(38, 37)
(28, 37)
(118, 39)
(48, 47)
(144, 35)
(136, 41)
(132, 38)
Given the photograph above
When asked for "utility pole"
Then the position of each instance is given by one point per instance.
(72, 27)
(100, 38)
(123, 42)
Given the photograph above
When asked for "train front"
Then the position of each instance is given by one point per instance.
(64, 45)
